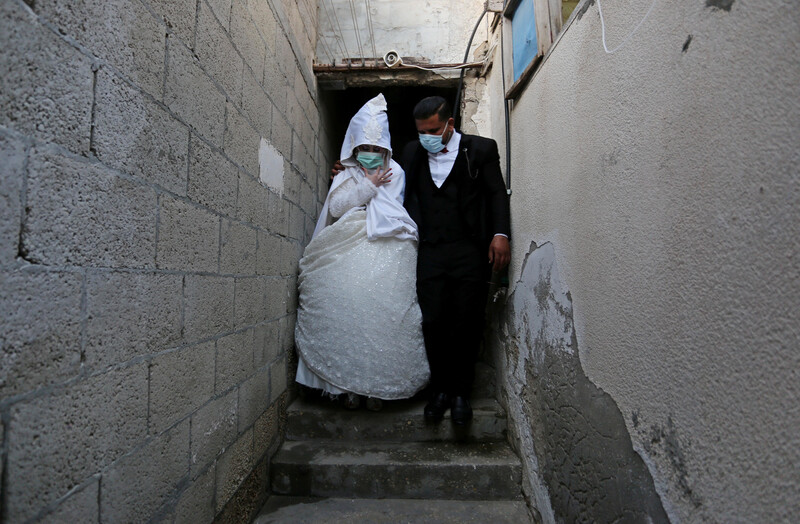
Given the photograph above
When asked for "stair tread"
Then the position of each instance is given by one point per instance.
(283, 509)
(391, 409)
(400, 421)
(317, 452)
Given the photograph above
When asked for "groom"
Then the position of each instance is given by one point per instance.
(456, 195)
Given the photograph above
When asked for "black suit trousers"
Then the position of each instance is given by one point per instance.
(452, 286)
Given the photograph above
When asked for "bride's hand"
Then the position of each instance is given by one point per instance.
(379, 177)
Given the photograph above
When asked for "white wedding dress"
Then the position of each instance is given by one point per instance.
(358, 320)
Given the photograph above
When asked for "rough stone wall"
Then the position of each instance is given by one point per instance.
(660, 184)
(160, 176)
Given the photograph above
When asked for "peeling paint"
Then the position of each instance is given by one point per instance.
(576, 448)
(270, 161)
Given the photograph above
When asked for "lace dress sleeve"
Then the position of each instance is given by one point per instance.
(351, 194)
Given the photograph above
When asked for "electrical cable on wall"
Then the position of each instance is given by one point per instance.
(357, 31)
(340, 40)
(393, 59)
(624, 40)
(456, 106)
(328, 50)
(371, 29)
(442, 68)
(396, 60)
(325, 45)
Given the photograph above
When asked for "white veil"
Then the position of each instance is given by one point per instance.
(386, 216)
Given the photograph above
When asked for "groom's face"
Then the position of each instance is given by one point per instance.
(434, 125)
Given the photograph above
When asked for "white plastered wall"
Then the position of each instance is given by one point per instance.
(667, 176)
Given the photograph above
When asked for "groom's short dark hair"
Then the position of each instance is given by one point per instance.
(431, 105)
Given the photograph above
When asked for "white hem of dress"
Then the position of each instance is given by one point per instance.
(308, 378)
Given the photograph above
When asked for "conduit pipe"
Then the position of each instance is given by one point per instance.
(456, 106)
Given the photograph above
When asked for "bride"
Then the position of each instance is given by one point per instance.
(358, 322)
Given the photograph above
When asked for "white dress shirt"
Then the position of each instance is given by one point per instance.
(441, 163)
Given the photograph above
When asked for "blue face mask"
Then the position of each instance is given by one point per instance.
(369, 159)
(433, 143)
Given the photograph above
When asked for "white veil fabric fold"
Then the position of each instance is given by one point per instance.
(386, 216)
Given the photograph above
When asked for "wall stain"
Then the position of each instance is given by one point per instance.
(576, 431)
(724, 5)
(542, 290)
(686, 44)
(609, 161)
(664, 440)
(583, 8)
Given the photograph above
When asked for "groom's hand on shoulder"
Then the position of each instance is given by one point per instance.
(337, 168)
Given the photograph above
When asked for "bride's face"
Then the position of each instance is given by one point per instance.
(369, 148)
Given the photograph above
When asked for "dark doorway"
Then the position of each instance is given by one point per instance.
(340, 106)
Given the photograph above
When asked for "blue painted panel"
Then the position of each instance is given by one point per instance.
(523, 37)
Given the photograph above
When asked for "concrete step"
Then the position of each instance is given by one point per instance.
(405, 470)
(294, 510)
(399, 421)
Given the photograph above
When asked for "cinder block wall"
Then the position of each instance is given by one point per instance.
(147, 271)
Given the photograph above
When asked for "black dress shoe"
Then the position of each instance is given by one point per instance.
(435, 409)
(460, 411)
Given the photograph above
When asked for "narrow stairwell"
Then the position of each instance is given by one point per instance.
(390, 467)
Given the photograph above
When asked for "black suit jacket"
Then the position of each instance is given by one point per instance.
(482, 197)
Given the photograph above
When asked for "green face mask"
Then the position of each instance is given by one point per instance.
(369, 159)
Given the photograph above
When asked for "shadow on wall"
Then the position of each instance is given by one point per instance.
(579, 461)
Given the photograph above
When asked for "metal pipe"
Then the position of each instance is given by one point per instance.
(505, 104)
(456, 108)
